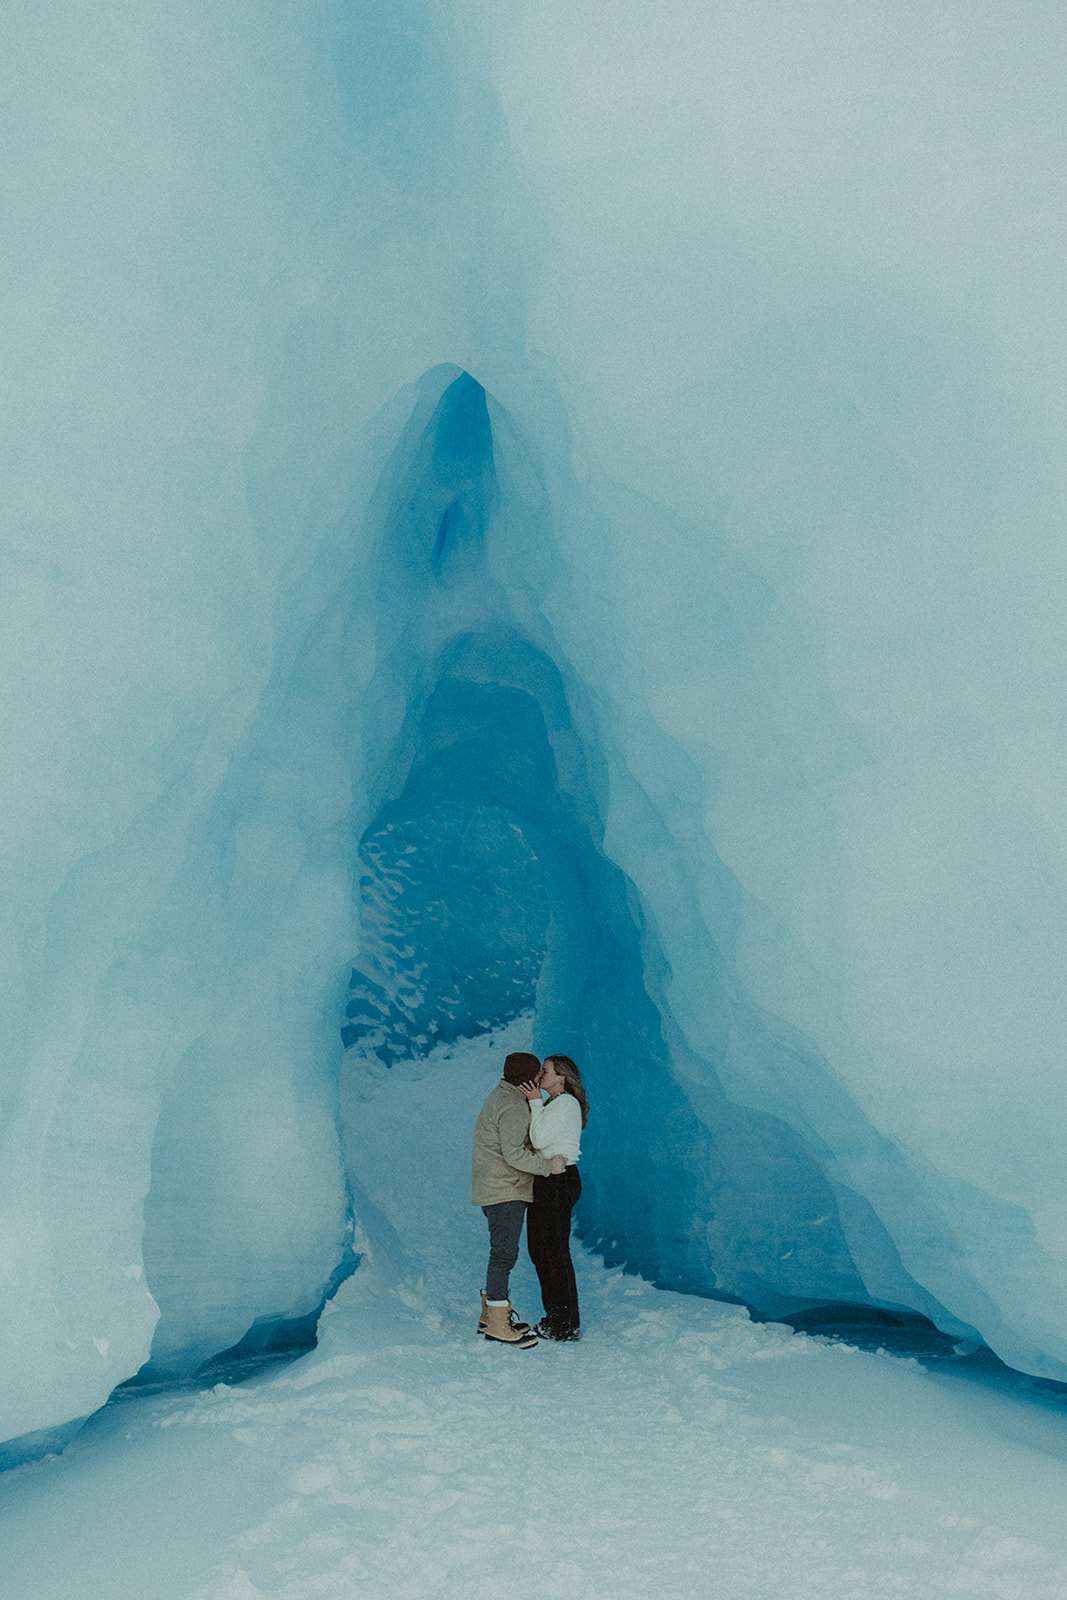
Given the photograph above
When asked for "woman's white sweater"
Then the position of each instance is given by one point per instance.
(556, 1128)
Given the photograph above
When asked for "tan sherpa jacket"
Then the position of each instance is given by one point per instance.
(504, 1164)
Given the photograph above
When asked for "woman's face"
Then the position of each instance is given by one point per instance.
(551, 1080)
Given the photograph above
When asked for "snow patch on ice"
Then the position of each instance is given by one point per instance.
(677, 1444)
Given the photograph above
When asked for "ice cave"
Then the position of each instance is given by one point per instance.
(526, 510)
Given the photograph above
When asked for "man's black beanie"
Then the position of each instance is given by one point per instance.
(520, 1067)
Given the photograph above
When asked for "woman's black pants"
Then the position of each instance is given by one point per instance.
(548, 1239)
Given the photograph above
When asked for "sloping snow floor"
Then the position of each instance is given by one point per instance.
(677, 1450)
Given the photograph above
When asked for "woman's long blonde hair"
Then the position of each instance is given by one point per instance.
(572, 1080)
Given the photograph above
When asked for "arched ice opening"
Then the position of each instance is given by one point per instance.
(486, 889)
(437, 793)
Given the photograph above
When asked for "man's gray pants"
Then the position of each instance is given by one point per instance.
(505, 1230)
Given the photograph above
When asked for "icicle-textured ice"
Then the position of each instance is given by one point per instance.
(594, 474)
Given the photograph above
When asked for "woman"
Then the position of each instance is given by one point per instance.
(556, 1130)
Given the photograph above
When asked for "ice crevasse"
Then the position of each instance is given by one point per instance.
(531, 508)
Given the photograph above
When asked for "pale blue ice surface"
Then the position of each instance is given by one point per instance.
(596, 476)
(678, 1449)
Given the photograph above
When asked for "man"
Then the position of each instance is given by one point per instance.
(502, 1184)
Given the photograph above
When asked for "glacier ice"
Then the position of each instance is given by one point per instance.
(601, 486)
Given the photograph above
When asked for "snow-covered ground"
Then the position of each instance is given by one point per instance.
(677, 1450)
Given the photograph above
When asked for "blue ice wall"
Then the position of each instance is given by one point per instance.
(752, 496)
(496, 724)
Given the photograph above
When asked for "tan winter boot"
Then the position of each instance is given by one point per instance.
(520, 1327)
(499, 1326)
